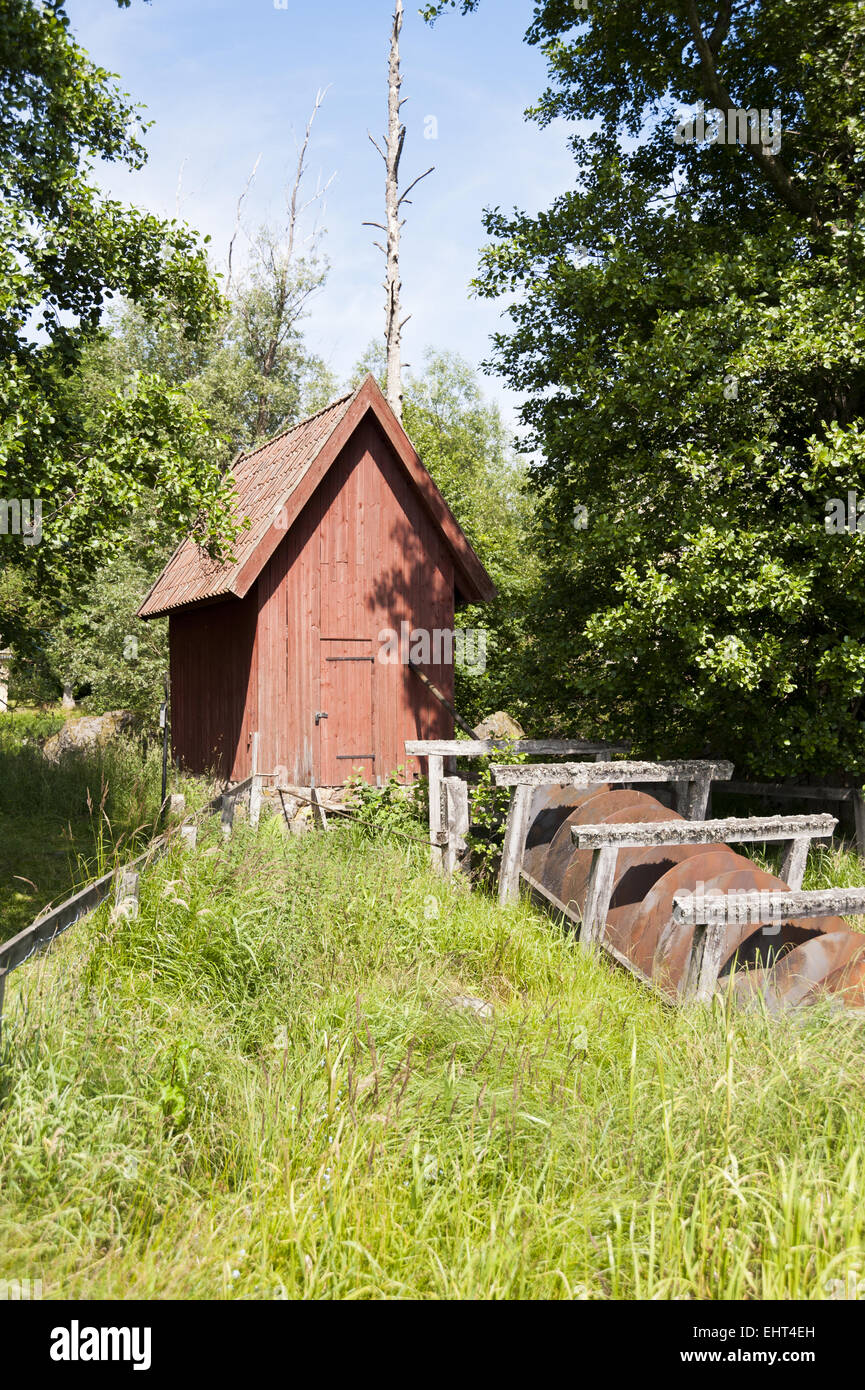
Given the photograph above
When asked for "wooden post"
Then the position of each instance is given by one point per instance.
(177, 806)
(3, 977)
(706, 952)
(598, 895)
(317, 808)
(698, 797)
(681, 797)
(859, 813)
(126, 894)
(794, 863)
(255, 790)
(189, 836)
(164, 723)
(457, 806)
(436, 819)
(514, 846)
(227, 819)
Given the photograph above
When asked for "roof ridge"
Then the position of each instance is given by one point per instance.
(307, 420)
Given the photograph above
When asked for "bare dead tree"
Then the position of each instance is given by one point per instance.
(283, 274)
(392, 155)
(241, 200)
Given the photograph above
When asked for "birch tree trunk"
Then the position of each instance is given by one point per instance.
(393, 283)
(392, 155)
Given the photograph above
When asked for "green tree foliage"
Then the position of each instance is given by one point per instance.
(160, 387)
(687, 328)
(65, 251)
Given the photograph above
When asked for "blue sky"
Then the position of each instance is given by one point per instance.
(227, 80)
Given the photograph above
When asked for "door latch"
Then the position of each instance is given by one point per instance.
(319, 715)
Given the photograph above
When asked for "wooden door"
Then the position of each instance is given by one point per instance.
(347, 710)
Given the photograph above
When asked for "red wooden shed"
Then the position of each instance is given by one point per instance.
(349, 537)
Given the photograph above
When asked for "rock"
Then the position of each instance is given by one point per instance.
(93, 731)
(468, 1003)
(303, 821)
(499, 725)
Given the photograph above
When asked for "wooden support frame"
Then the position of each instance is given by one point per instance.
(797, 831)
(126, 894)
(485, 747)
(707, 950)
(785, 791)
(598, 895)
(711, 913)
(592, 774)
(516, 830)
(436, 810)
(441, 755)
(227, 816)
(721, 909)
(318, 812)
(567, 910)
(189, 836)
(606, 840)
(256, 790)
(457, 816)
(525, 777)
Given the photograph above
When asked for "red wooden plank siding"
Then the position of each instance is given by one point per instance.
(288, 652)
(214, 686)
(363, 556)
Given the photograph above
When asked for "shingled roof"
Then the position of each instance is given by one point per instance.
(273, 484)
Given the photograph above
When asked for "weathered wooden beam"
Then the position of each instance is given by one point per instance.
(256, 785)
(177, 806)
(598, 895)
(795, 861)
(515, 842)
(783, 791)
(59, 919)
(14, 952)
(697, 797)
(709, 909)
(457, 811)
(859, 813)
(707, 953)
(437, 833)
(126, 894)
(735, 829)
(317, 808)
(590, 774)
(189, 836)
(483, 747)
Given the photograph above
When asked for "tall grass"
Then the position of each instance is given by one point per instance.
(261, 1088)
(67, 821)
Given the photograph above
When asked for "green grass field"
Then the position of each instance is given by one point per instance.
(65, 823)
(260, 1090)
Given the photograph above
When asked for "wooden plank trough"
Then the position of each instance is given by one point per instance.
(123, 882)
